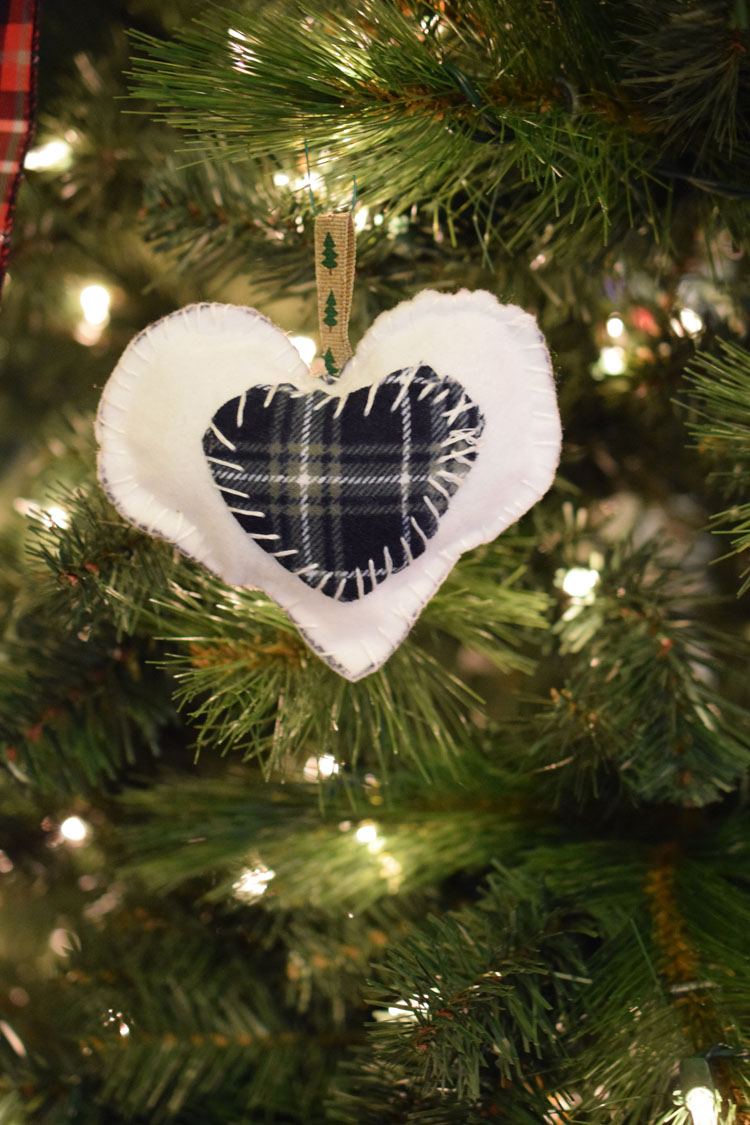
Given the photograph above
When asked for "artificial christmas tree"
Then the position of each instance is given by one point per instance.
(504, 877)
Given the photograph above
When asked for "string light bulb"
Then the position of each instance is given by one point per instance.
(698, 1091)
(615, 326)
(52, 516)
(579, 581)
(52, 155)
(691, 322)
(367, 833)
(317, 769)
(612, 360)
(95, 301)
(361, 218)
(15, 1041)
(313, 182)
(74, 829)
(58, 516)
(253, 882)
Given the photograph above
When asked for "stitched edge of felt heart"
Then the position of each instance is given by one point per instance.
(344, 492)
(176, 373)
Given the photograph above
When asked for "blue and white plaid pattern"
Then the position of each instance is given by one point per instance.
(344, 491)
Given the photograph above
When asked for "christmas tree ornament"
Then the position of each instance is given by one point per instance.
(19, 34)
(347, 501)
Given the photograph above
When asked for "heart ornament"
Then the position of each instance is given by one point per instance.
(348, 502)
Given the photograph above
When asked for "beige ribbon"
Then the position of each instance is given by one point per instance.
(335, 255)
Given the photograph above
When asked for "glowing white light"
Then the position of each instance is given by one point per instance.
(104, 904)
(615, 326)
(239, 51)
(60, 942)
(700, 1101)
(252, 883)
(316, 768)
(367, 833)
(305, 346)
(362, 218)
(15, 1041)
(391, 871)
(406, 1009)
(690, 321)
(95, 304)
(87, 334)
(314, 181)
(54, 516)
(280, 179)
(26, 507)
(612, 360)
(53, 154)
(112, 1017)
(58, 516)
(74, 829)
(579, 581)
(402, 1013)
(378, 220)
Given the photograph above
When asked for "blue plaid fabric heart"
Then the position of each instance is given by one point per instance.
(344, 490)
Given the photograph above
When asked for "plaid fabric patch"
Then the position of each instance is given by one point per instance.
(344, 491)
(18, 40)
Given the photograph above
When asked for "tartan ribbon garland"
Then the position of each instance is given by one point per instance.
(344, 491)
(18, 65)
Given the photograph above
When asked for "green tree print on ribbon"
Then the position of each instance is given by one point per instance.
(330, 362)
(330, 257)
(332, 315)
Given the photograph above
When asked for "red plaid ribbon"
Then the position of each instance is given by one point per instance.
(18, 50)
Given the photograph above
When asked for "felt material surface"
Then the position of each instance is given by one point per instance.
(19, 20)
(344, 492)
(179, 373)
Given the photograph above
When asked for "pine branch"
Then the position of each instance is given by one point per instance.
(440, 113)
(720, 397)
(214, 217)
(671, 984)
(690, 68)
(482, 605)
(249, 684)
(78, 701)
(252, 686)
(12, 1110)
(474, 999)
(643, 708)
(363, 846)
(163, 1018)
(241, 671)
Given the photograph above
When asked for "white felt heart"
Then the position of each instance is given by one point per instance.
(349, 502)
